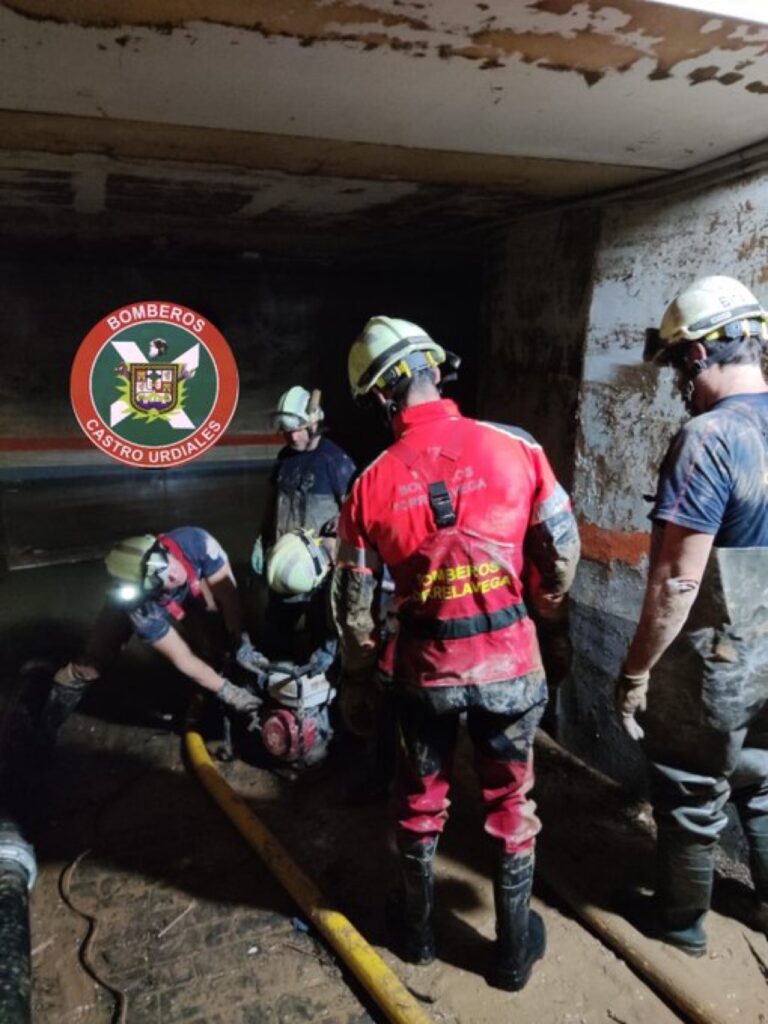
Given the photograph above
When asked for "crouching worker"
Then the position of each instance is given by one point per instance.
(460, 511)
(176, 592)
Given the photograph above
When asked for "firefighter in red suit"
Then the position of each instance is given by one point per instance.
(466, 516)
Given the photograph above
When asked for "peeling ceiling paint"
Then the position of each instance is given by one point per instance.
(533, 99)
(586, 36)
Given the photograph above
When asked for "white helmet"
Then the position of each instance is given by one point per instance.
(140, 562)
(297, 564)
(298, 409)
(387, 350)
(703, 312)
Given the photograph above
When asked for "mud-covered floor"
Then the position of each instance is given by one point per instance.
(151, 908)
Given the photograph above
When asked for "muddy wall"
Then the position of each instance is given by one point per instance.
(286, 323)
(627, 414)
(536, 301)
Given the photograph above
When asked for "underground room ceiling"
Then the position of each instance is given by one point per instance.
(325, 127)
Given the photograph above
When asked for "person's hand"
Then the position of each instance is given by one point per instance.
(238, 698)
(359, 700)
(248, 657)
(320, 661)
(630, 697)
(257, 556)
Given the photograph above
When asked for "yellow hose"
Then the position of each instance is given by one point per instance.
(378, 980)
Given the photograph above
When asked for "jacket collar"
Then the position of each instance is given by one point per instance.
(427, 412)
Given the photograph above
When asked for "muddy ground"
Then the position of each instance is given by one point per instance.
(151, 908)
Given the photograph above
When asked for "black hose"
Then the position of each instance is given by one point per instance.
(16, 878)
(21, 699)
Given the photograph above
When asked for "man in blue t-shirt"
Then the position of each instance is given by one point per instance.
(307, 485)
(176, 592)
(702, 638)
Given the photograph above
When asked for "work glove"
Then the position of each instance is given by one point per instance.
(74, 674)
(359, 700)
(238, 698)
(630, 697)
(320, 660)
(257, 557)
(248, 657)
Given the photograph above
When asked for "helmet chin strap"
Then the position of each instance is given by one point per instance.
(390, 408)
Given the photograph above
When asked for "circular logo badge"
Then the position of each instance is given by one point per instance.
(154, 385)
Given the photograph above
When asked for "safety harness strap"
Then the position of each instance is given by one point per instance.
(174, 607)
(443, 512)
(460, 629)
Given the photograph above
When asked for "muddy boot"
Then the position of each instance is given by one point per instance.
(756, 832)
(417, 940)
(520, 934)
(683, 891)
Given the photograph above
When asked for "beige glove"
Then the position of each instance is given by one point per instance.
(630, 697)
(238, 697)
(74, 674)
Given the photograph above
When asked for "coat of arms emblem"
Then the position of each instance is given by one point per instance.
(154, 386)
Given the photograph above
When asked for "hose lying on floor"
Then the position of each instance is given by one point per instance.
(17, 876)
(378, 980)
(20, 700)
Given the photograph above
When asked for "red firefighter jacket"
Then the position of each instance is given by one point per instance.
(458, 510)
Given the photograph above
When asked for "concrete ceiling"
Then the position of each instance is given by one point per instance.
(319, 126)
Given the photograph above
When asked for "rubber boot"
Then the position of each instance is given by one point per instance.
(59, 705)
(416, 857)
(685, 872)
(756, 832)
(520, 934)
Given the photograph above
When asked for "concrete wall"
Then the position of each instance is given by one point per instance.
(627, 414)
(538, 289)
(567, 300)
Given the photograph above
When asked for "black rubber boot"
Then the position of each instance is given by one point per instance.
(59, 705)
(685, 872)
(416, 857)
(520, 934)
(756, 832)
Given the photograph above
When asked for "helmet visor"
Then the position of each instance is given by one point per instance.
(287, 422)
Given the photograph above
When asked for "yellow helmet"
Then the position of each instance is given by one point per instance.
(139, 561)
(715, 308)
(387, 350)
(297, 564)
(298, 409)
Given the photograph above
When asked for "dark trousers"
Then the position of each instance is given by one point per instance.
(282, 617)
(503, 761)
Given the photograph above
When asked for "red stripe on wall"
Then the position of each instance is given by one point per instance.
(601, 545)
(68, 444)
